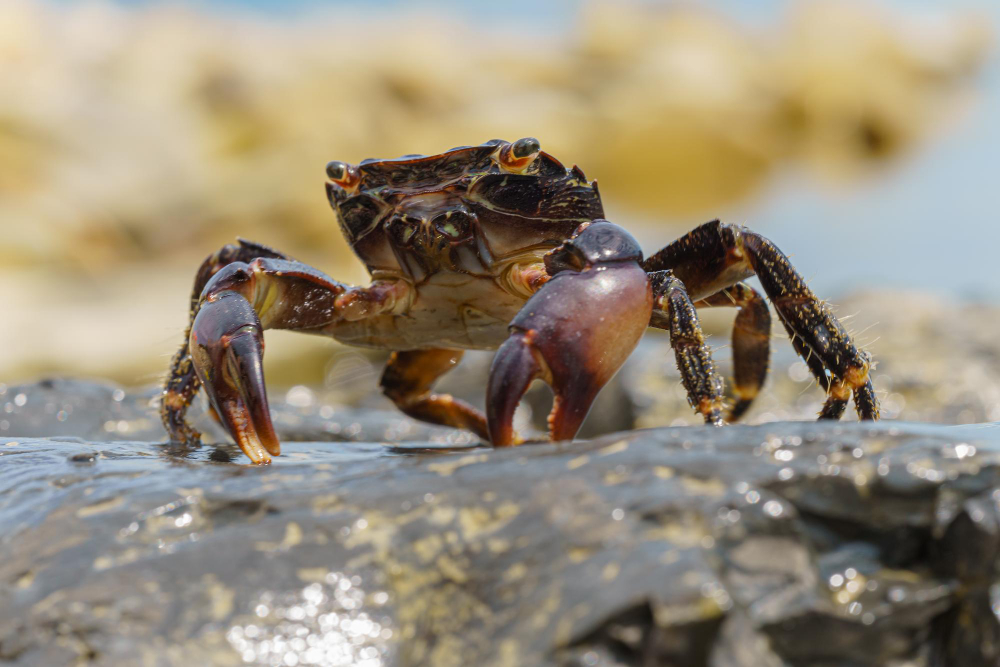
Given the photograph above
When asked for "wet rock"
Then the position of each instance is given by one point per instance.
(779, 544)
(103, 411)
(375, 539)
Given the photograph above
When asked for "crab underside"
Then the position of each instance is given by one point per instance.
(500, 246)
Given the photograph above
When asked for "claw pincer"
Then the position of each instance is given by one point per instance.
(575, 332)
(227, 348)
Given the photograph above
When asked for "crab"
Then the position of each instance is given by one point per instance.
(500, 246)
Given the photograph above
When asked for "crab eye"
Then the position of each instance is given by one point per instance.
(343, 175)
(526, 147)
(516, 157)
(336, 170)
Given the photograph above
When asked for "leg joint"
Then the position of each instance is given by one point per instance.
(233, 277)
(399, 391)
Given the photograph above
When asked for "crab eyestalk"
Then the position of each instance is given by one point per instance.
(516, 157)
(574, 333)
(343, 174)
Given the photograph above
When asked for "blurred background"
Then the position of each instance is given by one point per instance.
(138, 137)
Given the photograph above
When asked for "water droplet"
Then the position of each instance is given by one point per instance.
(963, 450)
(300, 396)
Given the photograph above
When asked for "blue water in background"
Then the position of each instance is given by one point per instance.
(929, 222)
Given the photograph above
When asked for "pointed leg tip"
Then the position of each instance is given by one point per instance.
(173, 406)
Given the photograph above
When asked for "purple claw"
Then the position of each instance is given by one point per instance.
(574, 333)
(227, 348)
(514, 368)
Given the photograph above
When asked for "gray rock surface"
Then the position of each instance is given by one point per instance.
(778, 544)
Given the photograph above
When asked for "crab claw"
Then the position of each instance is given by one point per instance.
(574, 333)
(227, 347)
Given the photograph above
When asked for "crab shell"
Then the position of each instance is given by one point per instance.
(470, 210)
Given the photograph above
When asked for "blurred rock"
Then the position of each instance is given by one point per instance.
(936, 361)
(121, 167)
(781, 544)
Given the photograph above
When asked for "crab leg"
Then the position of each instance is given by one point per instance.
(751, 343)
(225, 345)
(715, 256)
(408, 378)
(574, 333)
(673, 311)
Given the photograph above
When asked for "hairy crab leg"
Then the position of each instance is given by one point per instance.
(225, 343)
(717, 255)
(408, 378)
(751, 350)
(574, 333)
(673, 311)
(751, 343)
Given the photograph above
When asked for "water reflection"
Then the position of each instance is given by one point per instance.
(329, 622)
